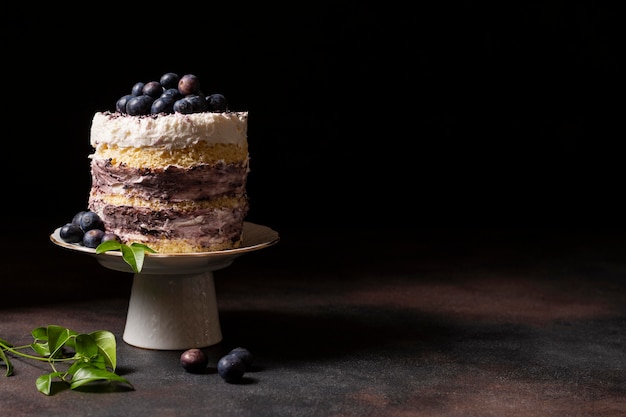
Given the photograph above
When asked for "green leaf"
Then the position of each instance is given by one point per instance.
(133, 255)
(129, 257)
(94, 358)
(86, 346)
(40, 333)
(100, 362)
(87, 374)
(108, 245)
(40, 344)
(76, 366)
(139, 255)
(95, 362)
(106, 346)
(57, 337)
(3, 358)
(142, 246)
(41, 348)
(44, 382)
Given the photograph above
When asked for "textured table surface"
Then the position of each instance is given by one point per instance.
(357, 323)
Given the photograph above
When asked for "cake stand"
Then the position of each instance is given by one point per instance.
(173, 304)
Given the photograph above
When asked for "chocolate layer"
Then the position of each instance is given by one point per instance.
(202, 226)
(171, 184)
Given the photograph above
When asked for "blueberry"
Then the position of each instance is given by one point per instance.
(142, 99)
(183, 106)
(152, 89)
(172, 92)
(188, 84)
(198, 103)
(169, 80)
(217, 103)
(71, 233)
(163, 104)
(89, 221)
(93, 238)
(110, 236)
(120, 104)
(243, 354)
(194, 360)
(139, 105)
(137, 89)
(77, 216)
(231, 368)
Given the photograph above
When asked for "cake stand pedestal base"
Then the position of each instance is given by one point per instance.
(173, 305)
(171, 312)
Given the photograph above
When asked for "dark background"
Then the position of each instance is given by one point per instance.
(398, 121)
(456, 115)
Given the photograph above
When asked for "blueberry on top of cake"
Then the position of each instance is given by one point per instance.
(170, 166)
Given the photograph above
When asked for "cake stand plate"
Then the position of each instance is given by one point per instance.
(173, 305)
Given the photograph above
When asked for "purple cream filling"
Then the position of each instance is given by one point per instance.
(173, 184)
(202, 224)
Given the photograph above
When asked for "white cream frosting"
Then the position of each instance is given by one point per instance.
(171, 131)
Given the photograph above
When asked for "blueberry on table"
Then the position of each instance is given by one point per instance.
(71, 233)
(194, 360)
(243, 354)
(93, 238)
(231, 368)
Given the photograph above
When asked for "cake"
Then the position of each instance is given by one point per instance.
(174, 180)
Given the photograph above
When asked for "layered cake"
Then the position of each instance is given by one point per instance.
(173, 180)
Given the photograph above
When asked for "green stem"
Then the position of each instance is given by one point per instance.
(26, 355)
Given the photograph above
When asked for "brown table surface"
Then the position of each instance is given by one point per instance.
(356, 323)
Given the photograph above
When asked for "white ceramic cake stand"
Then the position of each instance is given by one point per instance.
(173, 305)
